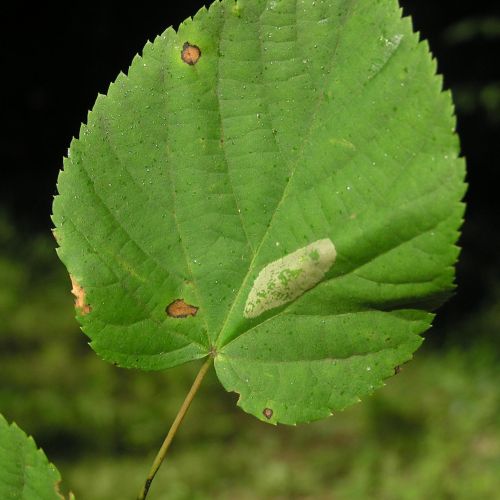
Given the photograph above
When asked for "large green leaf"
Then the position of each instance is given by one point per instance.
(25, 472)
(277, 185)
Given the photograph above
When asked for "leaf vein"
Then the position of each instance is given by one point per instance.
(292, 169)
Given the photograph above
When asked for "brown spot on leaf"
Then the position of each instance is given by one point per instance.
(268, 413)
(79, 293)
(190, 54)
(179, 309)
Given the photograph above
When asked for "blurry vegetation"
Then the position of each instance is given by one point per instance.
(433, 432)
(475, 97)
(471, 28)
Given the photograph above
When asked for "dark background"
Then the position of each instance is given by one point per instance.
(101, 425)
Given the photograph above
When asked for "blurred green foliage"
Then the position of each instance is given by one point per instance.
(433, 432)
(475, 97)
(470, 28)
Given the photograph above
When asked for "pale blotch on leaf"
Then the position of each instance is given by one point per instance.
(289, 277)
(190, 53)
(179, 309)
(80, 300)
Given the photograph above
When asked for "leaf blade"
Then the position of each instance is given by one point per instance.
(25, 472)
(300, 122)
(303, 374)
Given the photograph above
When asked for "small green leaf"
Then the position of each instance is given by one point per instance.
(277, 184)
(25, 472)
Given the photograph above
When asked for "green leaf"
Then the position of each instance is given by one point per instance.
(277, 185)
(25, 472)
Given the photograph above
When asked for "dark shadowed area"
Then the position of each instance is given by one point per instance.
(433, 432)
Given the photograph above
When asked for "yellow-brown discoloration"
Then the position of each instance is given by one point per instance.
(190, 54)
(80, 301)
(179, 309)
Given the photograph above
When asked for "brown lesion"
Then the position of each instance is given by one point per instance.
(190, 54)
(80, 300)
(180, 309)
(268, 413)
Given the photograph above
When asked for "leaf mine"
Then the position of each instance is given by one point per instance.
(289, 277)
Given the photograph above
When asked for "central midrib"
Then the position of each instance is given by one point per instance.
(293, 167)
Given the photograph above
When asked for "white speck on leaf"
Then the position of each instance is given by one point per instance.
(289, 277)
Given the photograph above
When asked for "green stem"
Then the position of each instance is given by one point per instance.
(173, 429)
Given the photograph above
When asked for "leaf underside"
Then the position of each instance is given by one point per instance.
(295, 191)
(25, 472)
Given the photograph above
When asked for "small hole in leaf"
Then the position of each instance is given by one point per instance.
(179, 309)
(190, 54)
